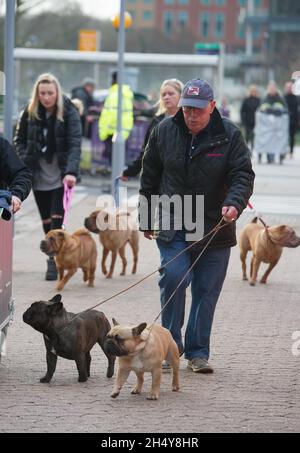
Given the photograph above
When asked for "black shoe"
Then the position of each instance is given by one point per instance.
(51, 274)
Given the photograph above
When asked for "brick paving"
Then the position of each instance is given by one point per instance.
(256, 385)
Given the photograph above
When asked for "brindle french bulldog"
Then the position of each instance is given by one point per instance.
(68, 335)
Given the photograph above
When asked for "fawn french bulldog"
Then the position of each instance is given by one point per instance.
(142, 349)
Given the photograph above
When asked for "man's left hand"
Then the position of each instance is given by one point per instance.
(70, 180)
(16, 204)
(229, 213)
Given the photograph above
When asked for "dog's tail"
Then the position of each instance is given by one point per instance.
(81, 232)
(254, 220)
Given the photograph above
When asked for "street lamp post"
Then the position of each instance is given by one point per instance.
(9, 68)
(118, 150)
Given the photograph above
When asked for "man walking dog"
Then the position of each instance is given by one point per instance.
(196, 153)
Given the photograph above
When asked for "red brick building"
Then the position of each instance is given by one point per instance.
(209, 21)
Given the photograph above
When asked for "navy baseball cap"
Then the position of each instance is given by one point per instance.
(196, 93)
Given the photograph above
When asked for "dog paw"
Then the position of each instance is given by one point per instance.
(82, 378)
(91, 285)
(175, 388)
(135, 391)
(60, 287)
(252, 283)
(263, 282)
(122, 274)
(115, 394)
(110, 373)
(152, 397)
(245, 279)
(45, 380)
(109, 277)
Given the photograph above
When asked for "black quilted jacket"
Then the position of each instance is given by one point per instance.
(13, 173)
(216, 164)
(67, 136)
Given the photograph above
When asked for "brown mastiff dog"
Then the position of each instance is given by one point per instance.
(266, 244)
(72, 251)
(115, 229)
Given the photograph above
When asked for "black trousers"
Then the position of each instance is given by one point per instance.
(50, 203)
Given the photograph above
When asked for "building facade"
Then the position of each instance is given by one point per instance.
(142, 12)
(208, 21)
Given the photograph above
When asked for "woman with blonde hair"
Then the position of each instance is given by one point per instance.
(48, 140)
(170, 92)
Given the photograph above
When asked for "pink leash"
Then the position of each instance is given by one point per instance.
(68, 194)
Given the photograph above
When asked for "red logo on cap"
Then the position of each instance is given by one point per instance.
(193, 91)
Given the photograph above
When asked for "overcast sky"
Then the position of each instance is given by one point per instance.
(98, 8)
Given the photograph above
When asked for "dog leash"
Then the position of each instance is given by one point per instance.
(219, 227)
(213, 232)
(68, 194)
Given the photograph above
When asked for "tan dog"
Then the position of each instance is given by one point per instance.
(266, 245)
(142, 349)
(72, 251)
(115, 229)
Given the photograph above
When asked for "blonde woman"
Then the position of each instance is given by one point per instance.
(170, 92)
(48, 139)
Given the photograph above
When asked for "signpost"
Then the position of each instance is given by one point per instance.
(89, 41)
(207, 48)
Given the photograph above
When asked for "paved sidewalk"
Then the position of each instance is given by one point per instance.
(256, 385)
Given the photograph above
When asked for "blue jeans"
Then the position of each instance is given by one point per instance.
(206, 280)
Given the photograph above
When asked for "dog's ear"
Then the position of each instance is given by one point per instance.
(54, 309)
(56, 299)
(115, 323)
(136, 331)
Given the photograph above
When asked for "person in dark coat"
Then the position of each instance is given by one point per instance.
(48, 140)
(249, 106)
(170, 92)
(14, 176)
(85, 94)
(292, 104)
(200, 163)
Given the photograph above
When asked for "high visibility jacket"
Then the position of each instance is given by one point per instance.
(109, 114)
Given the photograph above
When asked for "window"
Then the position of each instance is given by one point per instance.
(219, 25)
(147, 15)
(257, 3)
(168, 22)
(169, 2)
(205, 2)
(148, 1)
(183, 19)
(220, 2)
(204, 24)
(243, 2)
(183, 2)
